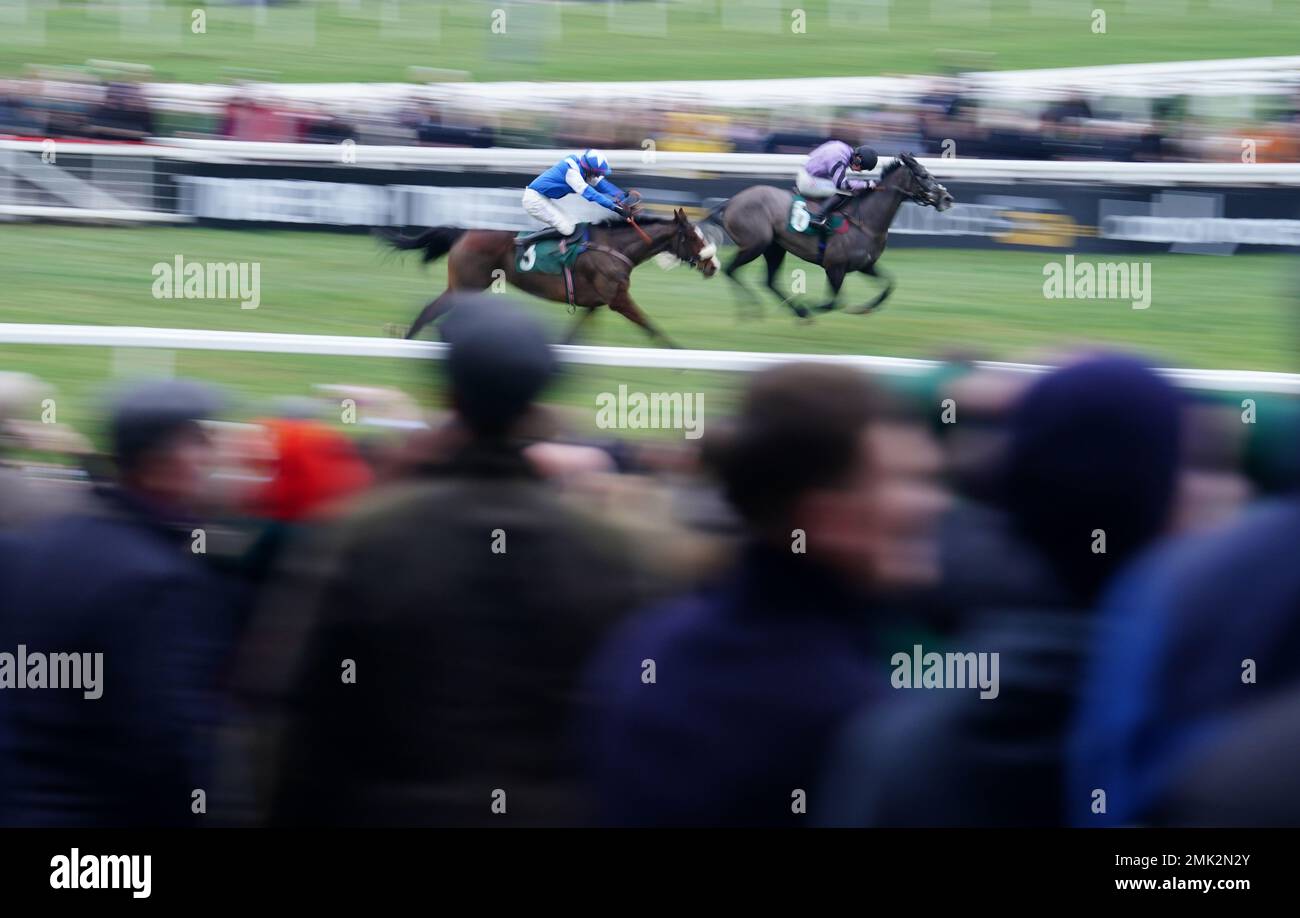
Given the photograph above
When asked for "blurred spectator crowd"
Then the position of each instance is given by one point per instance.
(946, 120)
(487, 617)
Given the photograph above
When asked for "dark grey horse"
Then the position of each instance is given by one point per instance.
(758, 221)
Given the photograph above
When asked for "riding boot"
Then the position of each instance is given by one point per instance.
(834, 203)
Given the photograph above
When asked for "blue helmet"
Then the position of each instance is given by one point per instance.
(594, 161)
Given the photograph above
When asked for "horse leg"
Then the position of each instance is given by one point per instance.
(624, 306)
(739, 260)
(835, 276)
(434, 310)
(774, 255)
(873, 271)
(578, 323)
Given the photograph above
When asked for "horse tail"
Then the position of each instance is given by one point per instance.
(435, 242)
(714, 216)
(715, 213)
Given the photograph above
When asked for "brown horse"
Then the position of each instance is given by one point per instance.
(601, 275)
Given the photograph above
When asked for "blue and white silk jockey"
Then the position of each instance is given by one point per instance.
(585, 173)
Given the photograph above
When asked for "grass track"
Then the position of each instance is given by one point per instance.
(350, 40)
(1206, 311)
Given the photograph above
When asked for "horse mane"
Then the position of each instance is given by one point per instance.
(892, 167)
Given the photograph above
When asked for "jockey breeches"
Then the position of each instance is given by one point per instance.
(540, 207)
(810, 186)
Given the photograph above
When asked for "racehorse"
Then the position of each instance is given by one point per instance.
(758, 220)
(600, 276)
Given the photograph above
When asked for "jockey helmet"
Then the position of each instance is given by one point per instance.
(867, 156)
(594, 161)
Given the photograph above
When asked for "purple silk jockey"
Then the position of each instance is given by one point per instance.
(825, 176)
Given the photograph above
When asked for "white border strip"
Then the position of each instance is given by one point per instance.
(1237, 76)
(752, 164)
(648, 358)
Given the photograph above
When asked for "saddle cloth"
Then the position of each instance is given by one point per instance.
(545, 257)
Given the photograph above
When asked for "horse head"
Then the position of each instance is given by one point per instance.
(690, 246)
(919, 185)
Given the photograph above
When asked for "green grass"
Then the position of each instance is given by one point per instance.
(346, 40)
(1206, 311)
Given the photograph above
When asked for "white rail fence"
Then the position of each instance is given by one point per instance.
(140, 182)
(1249, 381)
(1225, 77)
(512, 160)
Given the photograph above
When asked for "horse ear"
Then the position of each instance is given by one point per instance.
(679, 215)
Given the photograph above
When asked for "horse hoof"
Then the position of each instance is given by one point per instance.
(393, 330)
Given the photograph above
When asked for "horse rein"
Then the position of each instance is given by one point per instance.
(608, 251)
(645, 237)
(694, 261)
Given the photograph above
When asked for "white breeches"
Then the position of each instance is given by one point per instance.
(540, 207)
(810, 186)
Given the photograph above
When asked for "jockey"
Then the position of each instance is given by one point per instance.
(583, 173)
(825, 175)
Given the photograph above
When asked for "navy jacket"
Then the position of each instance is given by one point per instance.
(951, 758)
(1169, 677)
(126, 585)
(751, 680)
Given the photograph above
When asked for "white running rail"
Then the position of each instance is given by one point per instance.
(653, 358)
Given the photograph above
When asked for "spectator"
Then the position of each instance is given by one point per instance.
(1203, 633)
(126, 583)
(23, 499)
(123, 115)
(313, 466)
(1246, 777)
(717, 707)
(1092, 447)
(19, 115)
(468, 602)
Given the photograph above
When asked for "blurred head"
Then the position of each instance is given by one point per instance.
(1093, 447)
(800, 457)
(159, 447)
(500, 361)
(312, 467)
(864, 159)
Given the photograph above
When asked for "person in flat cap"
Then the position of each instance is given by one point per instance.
(473, 597)
(159, 447)
(500, 361)
(128, 579)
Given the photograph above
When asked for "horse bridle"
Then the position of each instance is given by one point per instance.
(923, 196)
(683, 233)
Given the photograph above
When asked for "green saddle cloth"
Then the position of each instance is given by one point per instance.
(545, 257)
(800, 220)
